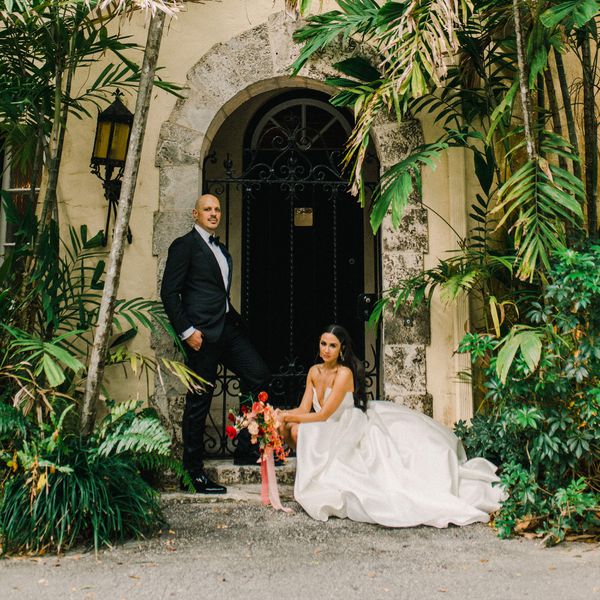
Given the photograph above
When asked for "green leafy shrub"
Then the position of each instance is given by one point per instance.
(541, 416)
(60, 489)
(49, 310)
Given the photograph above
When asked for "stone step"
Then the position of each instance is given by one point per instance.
(245, 492)
(226, 473)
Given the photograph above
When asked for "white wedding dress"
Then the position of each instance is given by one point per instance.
(390, 465)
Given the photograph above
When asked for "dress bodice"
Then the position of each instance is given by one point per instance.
(347, 402)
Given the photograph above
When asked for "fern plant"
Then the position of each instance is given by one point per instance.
(60, 490)
(57, 488)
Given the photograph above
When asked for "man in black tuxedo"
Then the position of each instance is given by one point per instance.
(195, 294)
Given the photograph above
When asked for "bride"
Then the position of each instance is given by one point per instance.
(379, 462)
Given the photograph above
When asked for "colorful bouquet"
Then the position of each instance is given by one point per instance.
(261, 421)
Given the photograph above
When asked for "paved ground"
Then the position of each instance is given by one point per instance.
(238, 549)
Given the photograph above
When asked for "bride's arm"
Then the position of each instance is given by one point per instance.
(342, 385)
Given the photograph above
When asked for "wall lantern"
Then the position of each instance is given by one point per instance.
(110, 151)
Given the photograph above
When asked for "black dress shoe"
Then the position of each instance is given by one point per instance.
(203, 485)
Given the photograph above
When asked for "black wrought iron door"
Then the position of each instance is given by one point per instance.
(302, 240)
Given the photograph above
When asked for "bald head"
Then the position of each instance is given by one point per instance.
(207, 212)
(204, 198)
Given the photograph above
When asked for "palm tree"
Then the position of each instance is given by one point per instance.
(470, 64)
(111, 286)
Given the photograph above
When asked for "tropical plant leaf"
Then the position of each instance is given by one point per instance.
(525, 339)
(397, 183)
(570, 13)
(538, 199)
(359, 68)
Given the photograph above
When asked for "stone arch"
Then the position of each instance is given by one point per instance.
(222, 80)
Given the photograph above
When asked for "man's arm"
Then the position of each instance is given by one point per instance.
(173, 283)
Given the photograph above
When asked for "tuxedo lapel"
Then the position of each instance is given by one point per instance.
(210, 257)
(229, 264)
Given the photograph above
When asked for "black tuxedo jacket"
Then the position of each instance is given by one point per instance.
(192, 291)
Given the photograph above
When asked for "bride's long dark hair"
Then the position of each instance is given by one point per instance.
(350, 360)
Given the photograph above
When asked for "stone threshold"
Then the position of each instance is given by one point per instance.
(243, 484)
(246, 492)
(226, 473)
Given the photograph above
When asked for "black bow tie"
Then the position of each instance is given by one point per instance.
(214, 239)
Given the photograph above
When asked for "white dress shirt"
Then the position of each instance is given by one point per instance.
(223, 265)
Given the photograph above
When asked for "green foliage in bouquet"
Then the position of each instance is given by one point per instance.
(541, 415)
(60, 489)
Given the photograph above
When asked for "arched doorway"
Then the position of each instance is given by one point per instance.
(234, 78)
(307, 257)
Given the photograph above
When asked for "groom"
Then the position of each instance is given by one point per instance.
(195, 293)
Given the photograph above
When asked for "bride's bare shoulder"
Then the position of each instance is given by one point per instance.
(313, 372)
(345, 372)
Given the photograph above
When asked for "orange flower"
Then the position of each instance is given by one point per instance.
(263, 397)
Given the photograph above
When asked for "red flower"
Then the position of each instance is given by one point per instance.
(244, 409)
(230, 432)
(231, 417)
(263, 397)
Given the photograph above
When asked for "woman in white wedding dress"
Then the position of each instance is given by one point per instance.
(379, 462)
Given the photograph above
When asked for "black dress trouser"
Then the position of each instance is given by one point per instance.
(235, 352)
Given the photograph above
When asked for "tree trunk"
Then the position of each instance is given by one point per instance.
(55, 154)
(590, 128)
(59, 130)
(541, 110)
(111, 286)
(553, 105)
(526, 103)
(568, 108)
(36, 170)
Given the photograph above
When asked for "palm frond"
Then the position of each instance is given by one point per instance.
(537, 200)
(357, 17)
(397, 183)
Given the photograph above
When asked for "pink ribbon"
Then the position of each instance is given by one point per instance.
(269, 490)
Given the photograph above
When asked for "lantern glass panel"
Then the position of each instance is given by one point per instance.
(102, 139)
(118, 147)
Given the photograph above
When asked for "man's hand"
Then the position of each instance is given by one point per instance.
(195, 340)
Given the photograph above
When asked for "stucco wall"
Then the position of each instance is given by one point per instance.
(186, 40)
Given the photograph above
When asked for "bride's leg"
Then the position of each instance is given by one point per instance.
(294, 434)
(286, 432)
(283, 431)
